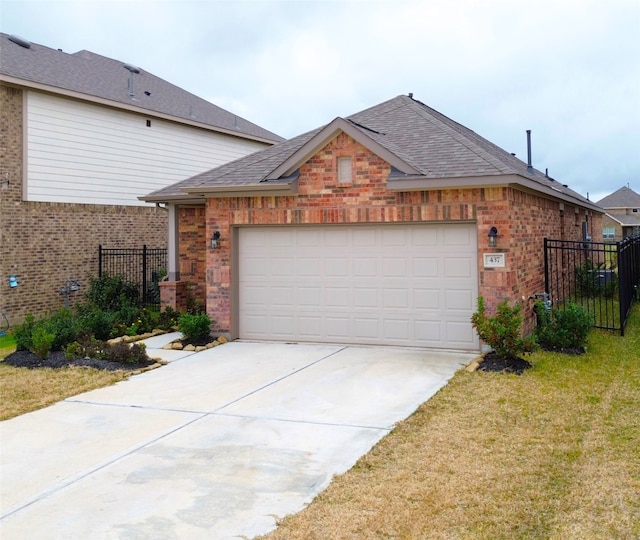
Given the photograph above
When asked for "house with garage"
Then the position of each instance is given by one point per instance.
(622, 218)
(83, 137)
(379, 228)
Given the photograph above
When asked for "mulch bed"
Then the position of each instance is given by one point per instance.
(57, 360)
(494, 362)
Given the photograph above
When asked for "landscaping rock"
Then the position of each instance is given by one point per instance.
(189, 348)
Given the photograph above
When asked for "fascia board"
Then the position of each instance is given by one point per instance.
(328, 133)
(22, 83)
(258, 190)
(178, 199)
(422, 183)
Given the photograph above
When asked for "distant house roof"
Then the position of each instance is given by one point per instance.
(626, 220)
(426, 150)
(622, 198)
(86, 75)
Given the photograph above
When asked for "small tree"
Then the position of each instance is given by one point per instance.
(502, 332)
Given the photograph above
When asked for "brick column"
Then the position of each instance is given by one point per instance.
(173, 294)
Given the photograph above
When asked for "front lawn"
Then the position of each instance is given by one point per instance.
(553, 453)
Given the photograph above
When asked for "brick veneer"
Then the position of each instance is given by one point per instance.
(45, 244)
(523, 220)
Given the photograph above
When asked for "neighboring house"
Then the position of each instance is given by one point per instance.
(83, 136)
(622, 218)
(373, 229)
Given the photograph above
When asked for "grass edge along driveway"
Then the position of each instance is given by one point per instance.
(554, 453)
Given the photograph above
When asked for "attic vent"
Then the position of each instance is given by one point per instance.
(20, 41)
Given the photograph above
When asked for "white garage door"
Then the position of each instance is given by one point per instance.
(406, 285)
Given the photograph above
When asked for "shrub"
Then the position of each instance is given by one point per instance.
(35, 335)
(23, 333)
(168, 318)
(502, 332)
(596, 279)
(563, 328)
(112, 293)
(64, 325)
(194, 326)
(126, 354)
(96, 321)
(42, 341)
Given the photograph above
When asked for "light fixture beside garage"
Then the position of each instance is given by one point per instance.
(215, 237)
(493, 237)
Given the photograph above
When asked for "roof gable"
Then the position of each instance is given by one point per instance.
(426, 150)
(622, 198)
(88, 75)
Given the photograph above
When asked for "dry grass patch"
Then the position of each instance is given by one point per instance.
(24, 390)
(550, 454)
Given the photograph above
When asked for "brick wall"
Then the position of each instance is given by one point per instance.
(45, 244)
(523, 220)
(192, 256)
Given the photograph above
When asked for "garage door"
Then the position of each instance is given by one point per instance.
(405, 285)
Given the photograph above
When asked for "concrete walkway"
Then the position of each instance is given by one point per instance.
(216, 444)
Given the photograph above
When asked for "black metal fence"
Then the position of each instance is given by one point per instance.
(603, 278)
(143, 266)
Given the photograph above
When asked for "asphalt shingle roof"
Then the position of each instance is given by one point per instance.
(622, 198)
(424, 139)
(97, 76)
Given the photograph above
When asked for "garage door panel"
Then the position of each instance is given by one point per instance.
(337, 297)
(457, 300)
(412, 285)
(456, 267)
(338, 328)
(394, 267)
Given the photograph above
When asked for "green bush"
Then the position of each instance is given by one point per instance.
(23, 333)
(502, 332)
(596, 279)
(194, 326)
(64, 325)
(42, 341)
(96, 321)
(53, 332)
(168, 318)
(112, 293)
(565, 328)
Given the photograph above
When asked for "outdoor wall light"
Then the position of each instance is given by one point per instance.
(13, 281)
(215, 237)
(493, 237)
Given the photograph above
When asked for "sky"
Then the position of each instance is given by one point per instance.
(568, 70)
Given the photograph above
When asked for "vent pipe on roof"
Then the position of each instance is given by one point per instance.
(132, 69)
(529, 165)
(20, 41)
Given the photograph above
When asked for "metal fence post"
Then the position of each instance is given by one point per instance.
(144, 274)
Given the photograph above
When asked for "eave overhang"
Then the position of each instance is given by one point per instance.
(72, 94)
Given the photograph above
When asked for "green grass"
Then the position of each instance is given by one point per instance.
(7, 345)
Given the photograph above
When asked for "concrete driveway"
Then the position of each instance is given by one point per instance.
(217, 444)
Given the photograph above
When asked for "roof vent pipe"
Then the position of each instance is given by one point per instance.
(529, 166)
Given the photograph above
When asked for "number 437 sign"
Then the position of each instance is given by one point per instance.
(494, 260)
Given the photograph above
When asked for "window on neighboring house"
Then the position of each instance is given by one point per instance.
(635, 210)
(344, 169)
(608, 233)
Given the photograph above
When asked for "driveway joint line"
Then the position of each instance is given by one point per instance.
(75, 479)
(295, 421)
(280, 379)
